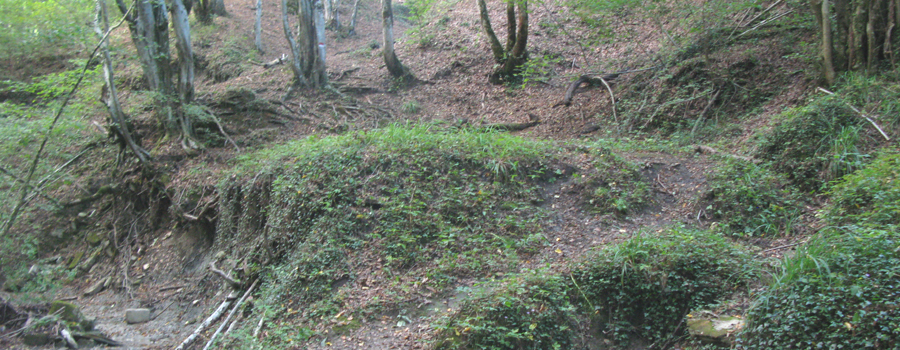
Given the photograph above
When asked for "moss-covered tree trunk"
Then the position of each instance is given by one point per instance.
(856, 35)
(515, 54)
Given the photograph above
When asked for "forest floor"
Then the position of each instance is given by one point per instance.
(453, 61)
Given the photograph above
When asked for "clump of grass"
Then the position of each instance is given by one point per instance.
(411, 107)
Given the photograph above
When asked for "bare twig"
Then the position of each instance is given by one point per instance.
(231, 281)
(36, 191)
(780, 247)
(209, 320)
(163, 289)
(710, 150)
(230, 314)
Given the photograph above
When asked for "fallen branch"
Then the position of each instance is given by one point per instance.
(70, 342)
(35, 190)
(230, 314)
(222, 130)
(231, 281)
(212, 318)
(705, 110)
(535, 120)
(861, 114)
(710, 150)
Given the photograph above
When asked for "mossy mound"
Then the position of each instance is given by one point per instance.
(398, 200)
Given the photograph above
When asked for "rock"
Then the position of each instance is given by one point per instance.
(36, 339)
(76, 259)
(94, 238)
(133, 316)
(712, 328)
(71, 314)
(97, 287)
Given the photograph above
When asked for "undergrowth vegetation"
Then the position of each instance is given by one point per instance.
(751, 200)
(613, 184)
(404, 197)
(869, 196)
(840, 291)
(644, 287)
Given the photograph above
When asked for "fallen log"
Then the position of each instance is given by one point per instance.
(209, 320)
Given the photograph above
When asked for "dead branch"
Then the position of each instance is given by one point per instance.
(231, 281)
(861, 114)
(710, 150)
(535, 120)
(780, 247)
(221, 129)
(230, 314)
(209, 320)
(705, 110)
(70, 342)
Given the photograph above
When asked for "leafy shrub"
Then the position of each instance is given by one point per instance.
(751, 200)
(814, 144)
(525, 313)
(840, 291)
(614, 185)
(645, 286)
(869, 196)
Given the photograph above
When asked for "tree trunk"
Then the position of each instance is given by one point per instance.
(827, 43)
(860, 34)
(518, 54)
(353, 18)
(218, 8)
(150, 34)
(496, 48)
(257, 29)
(307, 63)
(393, 64)
(510, 24)
(118, 122)
(331, 14)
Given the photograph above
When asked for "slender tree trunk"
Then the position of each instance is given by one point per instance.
(182, 31)
(393, 64)
(299, 77)
(510, 24)
(352, 30)
(218, 8)
(118, 122)
(827, 43)
(257, 29)
(496, 48)
(331, 14)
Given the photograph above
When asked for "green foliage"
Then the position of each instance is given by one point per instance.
(455, 202)
(530, 312)
(839, 291)
(817, 143)
(751, 200)
(411, 107)
(613, 184)
(644, 287)
(869, 196)
(43, 28)
(538, 68)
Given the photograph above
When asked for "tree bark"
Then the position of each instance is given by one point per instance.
(119, 123)
(496, 48)
(827, 43)
(307, 63)
(331, 14)
(393, 64)
(257, 29)
(352, 30)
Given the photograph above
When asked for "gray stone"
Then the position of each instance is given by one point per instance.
(137, 315)
(97, 287)
(715, 329)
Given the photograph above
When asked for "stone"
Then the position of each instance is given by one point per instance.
(715, 329)
(94, 238)
(97, 287)
(133, 316)
(76, 259)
